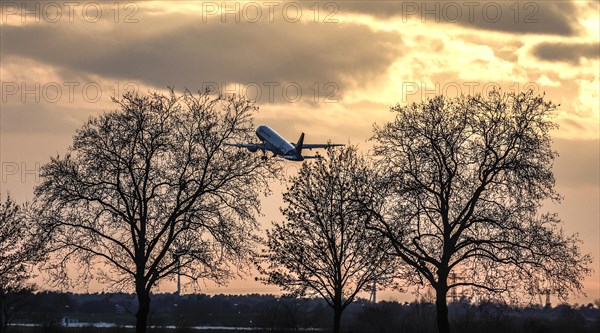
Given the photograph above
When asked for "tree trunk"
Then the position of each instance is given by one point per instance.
(442, 309)
(3, 323)
(337, 318)
(143, 310)
(337, 311)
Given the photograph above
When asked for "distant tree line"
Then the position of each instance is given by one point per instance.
(450, 199)
(284, 313)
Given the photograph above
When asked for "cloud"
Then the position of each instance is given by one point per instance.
(43, 118)
(578, 162)
(566, 52)
(193, 53)
(553, 18)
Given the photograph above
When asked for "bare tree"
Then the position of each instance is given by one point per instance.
(151, 187)
(20, 249)
(465, 179)
(324, 248)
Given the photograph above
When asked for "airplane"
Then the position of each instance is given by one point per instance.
(279, 146)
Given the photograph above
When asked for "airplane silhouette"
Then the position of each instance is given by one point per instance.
(279, 146)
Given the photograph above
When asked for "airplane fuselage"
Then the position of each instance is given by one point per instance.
(277, 144)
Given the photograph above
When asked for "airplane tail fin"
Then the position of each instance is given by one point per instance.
(299, 144)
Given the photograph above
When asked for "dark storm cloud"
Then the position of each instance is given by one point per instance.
(195, 53)
(555, 18)
(566, 52)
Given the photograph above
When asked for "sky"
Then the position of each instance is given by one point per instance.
(329, 68)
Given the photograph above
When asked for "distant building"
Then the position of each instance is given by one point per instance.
(548, 303)
(66, 321)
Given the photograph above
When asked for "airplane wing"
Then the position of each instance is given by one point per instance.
(245, 145)
(252, 147)
(320, 145)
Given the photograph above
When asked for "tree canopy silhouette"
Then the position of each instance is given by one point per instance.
(464, 181)
(323, 247)
(151, 186)
(21, 247)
